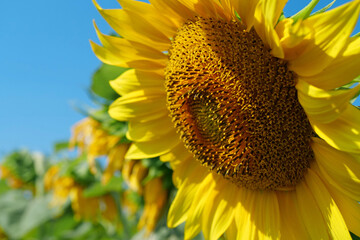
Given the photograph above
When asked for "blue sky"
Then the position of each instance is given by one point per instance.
(45, 67)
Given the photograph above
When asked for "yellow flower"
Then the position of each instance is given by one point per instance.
(84, 208)
(62, 186)
(12, 180)
(50, 177)
(108, 208)
(90, 208)
(262, 141)
(115, 163)
(134, 173)
(92, 139)
(155, 197)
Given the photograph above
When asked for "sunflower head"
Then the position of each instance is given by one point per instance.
(253, 97)
(235, 105)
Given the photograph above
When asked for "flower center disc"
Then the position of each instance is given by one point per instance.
(236, 106)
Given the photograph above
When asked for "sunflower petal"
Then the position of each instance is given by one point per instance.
(184, 168)
(342, 133)
(159, 19)
(134, 79)
(292, 227)
(267, 215)
(245, 223)
(310, 212)
(267, 14)
(154, 148)
(321, 105)
(342, 70)
(139, 104)
(246, 11)
(174, 8)
(134, 27)
(112, 58)
(331, 32)
(224, 214)
(349, 208)
(177, 153)
(151, 130)
(178, 211)
(192, 225)
(336, 226)
(340, 169)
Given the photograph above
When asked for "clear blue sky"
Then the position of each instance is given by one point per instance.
(45, 66)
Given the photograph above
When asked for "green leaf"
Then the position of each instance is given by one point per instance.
(324, 8)
(354, 237)
(100, 81)
(61, 146)
(306, 11)
(4, 187)
(21, 164)
(20, 213)
(99, 189)
(36, 213)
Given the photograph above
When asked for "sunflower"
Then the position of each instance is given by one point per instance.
(247, 107)
(91, 138)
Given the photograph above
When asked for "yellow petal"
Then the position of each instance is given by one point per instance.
(231, 232)
(340, 169)
(151, 130)
(245, 208)
(174, 8)
(331, 31)
(267, 215)
(183, 168)
(336, 226)
(342, 133)
(310, 212)
(134, 79)
(112, 58)
(155, 148)
(178, 211)
(206, 216)
(144, 104)
(350, 209)
(342, 70)
(294, 37)
(160, 20)
(134, 27)
(246, 11)
(321, 105)
(267, 13)
(197, 209)
(224, 206)
(292, 226)
(179, 152)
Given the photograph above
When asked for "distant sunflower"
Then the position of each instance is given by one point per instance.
(262, 140)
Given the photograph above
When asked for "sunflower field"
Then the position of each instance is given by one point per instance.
(212, 120)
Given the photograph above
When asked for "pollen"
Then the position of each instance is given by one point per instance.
(235, 105)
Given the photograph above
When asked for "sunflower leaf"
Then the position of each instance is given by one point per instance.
(324, 8)
(306, 11)
(100, 81)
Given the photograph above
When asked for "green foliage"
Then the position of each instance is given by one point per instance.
(98, 189)
(21, 164)
(100, 81)
(354, 237)
(61, 146)
(306, 11)
(18, 210)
